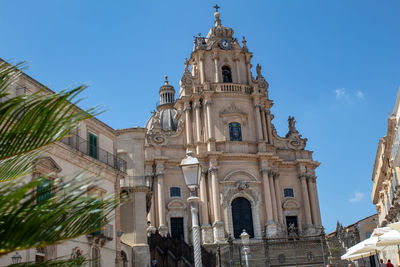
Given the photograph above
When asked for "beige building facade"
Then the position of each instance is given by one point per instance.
(385, 176)
(252, 178)
(92, 148)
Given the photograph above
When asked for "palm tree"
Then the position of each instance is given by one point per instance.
(29, 123)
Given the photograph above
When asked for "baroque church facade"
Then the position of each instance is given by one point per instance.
(252, 178)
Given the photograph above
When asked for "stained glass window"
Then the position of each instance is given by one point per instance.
(288, 192)
(175, 192)
(235, 131)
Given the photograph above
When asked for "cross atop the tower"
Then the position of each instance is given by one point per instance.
(216, 7)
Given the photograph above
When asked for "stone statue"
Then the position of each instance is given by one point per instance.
(258, 70)
(292, 125)
(186, 65)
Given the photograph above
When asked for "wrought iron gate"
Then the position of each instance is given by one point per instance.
(274, 252)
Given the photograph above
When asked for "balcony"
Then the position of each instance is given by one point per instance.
(102, 235)
(232, 88)
(106, 157)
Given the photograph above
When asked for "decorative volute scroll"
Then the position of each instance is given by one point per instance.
(186, 83)
(293, 137)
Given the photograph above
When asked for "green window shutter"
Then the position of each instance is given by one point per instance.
(43, 190)
(93, 146)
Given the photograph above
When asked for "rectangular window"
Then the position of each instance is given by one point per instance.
(291, 224)
(235, 131)
(93, 146)
(177, 228)
(175, 192)
(288, 192)
(43, 190)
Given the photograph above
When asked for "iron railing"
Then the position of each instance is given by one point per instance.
(82, 145)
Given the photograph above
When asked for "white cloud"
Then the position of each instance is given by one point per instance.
(348, 95)
(360, 94)
(340, 93)
(358, 196)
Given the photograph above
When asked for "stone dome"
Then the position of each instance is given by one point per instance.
(164, 119)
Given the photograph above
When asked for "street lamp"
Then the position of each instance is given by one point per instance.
(246, 249)
(16, 258)
(191, 172)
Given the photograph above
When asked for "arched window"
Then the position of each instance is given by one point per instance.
(124, 259)
(235, 131)
(226, 74)
(242, 217)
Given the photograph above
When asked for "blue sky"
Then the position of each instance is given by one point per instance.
(333, 64)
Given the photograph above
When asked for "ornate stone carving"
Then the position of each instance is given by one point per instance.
(294, 140)
(233, 110)
(261, 82)
(242, 185)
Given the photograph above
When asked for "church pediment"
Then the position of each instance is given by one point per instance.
(232, 111)
(176, 204)
(239, 176)
(290, 204)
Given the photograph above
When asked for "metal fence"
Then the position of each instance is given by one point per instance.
(273, 252)
(82, 145)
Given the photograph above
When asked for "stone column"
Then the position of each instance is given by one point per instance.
(206, 229)
(249, 80)
(140, 247)
(188, 123)
(215, 58)
(306, 201)
(218, 227)
(267, 194)
(210, 126)
(273, 195)
(278, 193)
(270, 225)
(269, 126)
(264, 125)
(236, 59)
(318, 212)
(201, 66)
(197, 108)
(162, 228)
(258, 121)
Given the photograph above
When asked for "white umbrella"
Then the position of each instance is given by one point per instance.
(381, 239)
(390, 238)
(358, 256)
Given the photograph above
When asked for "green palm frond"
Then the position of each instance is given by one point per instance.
(17, 166)
(30, 122)
(26, 222)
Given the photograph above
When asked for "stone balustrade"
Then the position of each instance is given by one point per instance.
(232, 88)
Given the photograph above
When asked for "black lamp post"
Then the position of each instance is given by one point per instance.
(16, 258)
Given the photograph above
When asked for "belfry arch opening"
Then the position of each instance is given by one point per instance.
(226, 74)
(242, 217)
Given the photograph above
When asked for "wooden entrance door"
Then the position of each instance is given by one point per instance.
(242, 217)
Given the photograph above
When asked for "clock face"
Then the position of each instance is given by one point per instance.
(225, 44)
